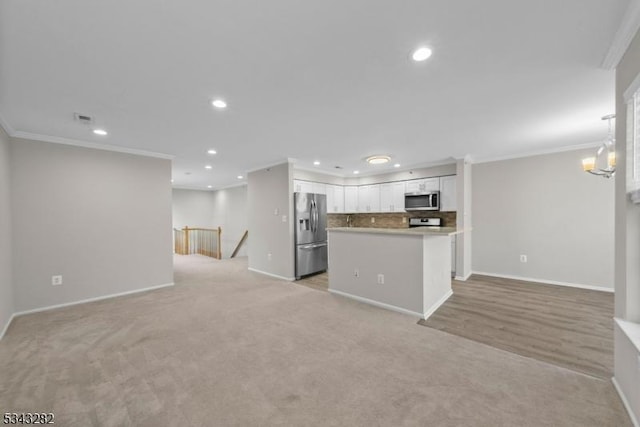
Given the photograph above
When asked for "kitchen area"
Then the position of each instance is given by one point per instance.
(391, 244)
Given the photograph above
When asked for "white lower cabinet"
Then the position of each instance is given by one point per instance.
(392, 197)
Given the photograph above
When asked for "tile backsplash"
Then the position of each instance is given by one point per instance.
(388, 220)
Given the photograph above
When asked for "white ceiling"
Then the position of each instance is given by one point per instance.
(310, 80)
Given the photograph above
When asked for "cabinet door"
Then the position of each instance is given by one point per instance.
(300, 186)
(351, 198)
(374, 198)
(338, 198)
(335, 199)
(363, 198)
(414, 185)
(319, 188)
(386, 197)
(448, 193)
(431, 184)
(397, 197)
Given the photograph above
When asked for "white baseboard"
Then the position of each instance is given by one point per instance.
(547, 282)
(4, 330)
(67, 304)
(276, 276)
(625, 402)
(463, 278)
(377, 303)
(437, 305)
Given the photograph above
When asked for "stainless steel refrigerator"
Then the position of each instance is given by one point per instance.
(311, 233)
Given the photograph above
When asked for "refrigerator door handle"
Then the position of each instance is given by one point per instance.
(314, 216)
(313, 246)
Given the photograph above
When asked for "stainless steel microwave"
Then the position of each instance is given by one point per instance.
(426, 201)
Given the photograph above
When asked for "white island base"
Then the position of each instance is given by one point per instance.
(405, 270)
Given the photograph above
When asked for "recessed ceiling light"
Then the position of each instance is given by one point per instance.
(208, 167)
(209, 186)
(356, 172)
(219, 103)
(240, 176)
(378, 160)
(397, 165)
(421, 54)
(212, 151)
(316, 163)
(100, 132)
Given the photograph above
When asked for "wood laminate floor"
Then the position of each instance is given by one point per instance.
(568, 327)
(319, 281)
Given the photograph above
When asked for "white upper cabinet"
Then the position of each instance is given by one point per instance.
(350, 198)
(392, 197)
(302, 186)
(369, 198)
(422, 185)
(319, 188)
(448, 193)
(335, 198)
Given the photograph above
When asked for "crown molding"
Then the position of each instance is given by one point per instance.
(488, 159)
(280, 162)
(625, 34)
(86, 144)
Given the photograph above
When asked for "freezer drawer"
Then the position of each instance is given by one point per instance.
(311, 258)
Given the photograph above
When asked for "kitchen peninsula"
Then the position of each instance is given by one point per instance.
(402, 269)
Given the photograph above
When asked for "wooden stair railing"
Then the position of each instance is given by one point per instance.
(242, 239)
(203, 241)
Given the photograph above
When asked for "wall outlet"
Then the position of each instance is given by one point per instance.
(284, 218)
(404, 219)
(523, 258)
(373, 220)
(269, 256)
(276, 211)
(356, 272)
(56, 280)
(381, 279)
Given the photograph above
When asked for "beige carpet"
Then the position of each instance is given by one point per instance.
(228, 347)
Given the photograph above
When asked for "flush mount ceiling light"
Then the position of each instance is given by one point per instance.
(212, 151)
(316, 163)
(397, 165)
(378, 160)
(421, 54)
(100, 132)
(209, 186)
(219, 103)
(356, 172)
(208, 167)
(240, 176)
(604, 162)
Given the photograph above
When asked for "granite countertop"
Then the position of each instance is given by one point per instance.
(438, 231)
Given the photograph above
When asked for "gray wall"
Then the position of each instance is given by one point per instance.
(549, 209)
(6, 282)
(101, 219)
(230, 213)
(269, 190)
(226, 208)
(193, 208)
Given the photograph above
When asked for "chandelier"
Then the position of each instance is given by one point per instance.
(604, 162)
